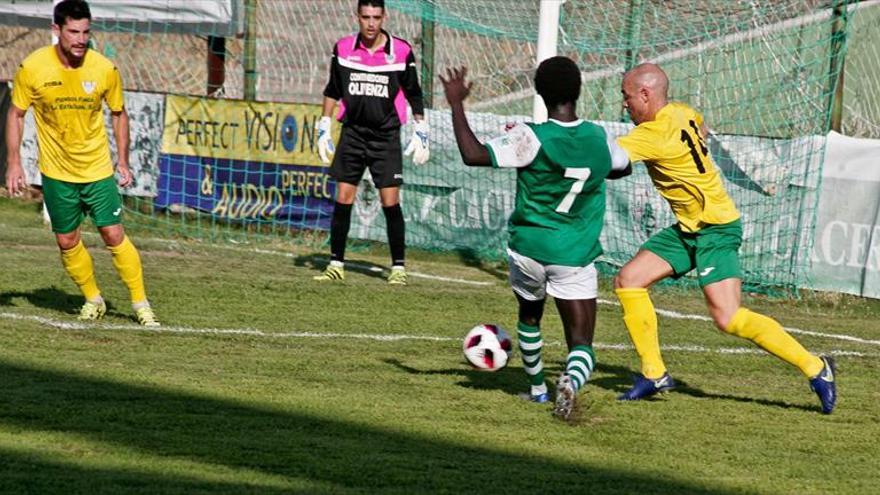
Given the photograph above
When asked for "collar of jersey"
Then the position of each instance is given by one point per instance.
(573, 123)
(358, 43)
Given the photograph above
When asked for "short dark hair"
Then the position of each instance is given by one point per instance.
(371, 3)
(558, 80)
(71, 9)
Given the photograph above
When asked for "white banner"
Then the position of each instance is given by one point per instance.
(205, 17)
(846, 250)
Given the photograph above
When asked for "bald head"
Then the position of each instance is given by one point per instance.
(645, 90)
(651, 77)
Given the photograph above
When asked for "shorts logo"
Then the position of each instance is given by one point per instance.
(398, 176)
(117, 212)
(707, 271)
(89, 86)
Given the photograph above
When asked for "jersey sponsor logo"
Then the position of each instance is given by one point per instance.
(707, 271)
(89, 86)
(49, 84)
(367, 89)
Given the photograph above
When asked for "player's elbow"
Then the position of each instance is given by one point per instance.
(475, 160)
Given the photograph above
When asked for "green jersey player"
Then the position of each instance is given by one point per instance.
(554, 229)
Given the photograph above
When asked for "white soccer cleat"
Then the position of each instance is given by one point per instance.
(566, 397)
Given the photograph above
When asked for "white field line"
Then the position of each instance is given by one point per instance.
(661, 312)
(250, 332)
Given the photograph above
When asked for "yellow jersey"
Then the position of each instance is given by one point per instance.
(69, 114)
(679, 163)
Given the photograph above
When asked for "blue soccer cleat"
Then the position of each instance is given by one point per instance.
(537, 398)
(646, 387)
(540, 398)
(824, 386)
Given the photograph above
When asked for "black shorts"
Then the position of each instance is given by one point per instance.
(361, 147)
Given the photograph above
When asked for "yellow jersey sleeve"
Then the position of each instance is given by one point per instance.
(642, 143)
(681, 168)
(113, 95)
(22, 93)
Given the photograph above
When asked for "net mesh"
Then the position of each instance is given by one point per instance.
(762, 73)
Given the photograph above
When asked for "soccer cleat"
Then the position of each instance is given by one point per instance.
(91, 311)
(146, 317)
(824, 386)
(566, 396)
(331, 274)
(646, 387)
(397, 276)
(538, 398)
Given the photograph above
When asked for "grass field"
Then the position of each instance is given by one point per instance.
(264, 382)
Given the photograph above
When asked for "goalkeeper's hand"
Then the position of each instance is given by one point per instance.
(418, 146)
(326, 149)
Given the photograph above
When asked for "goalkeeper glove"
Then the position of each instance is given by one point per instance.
(418, 146)
(325, 140)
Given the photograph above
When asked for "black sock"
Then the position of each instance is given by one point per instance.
(339, 226)
(396, 233)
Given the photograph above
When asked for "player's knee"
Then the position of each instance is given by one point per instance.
(722, 320)
(67, 241)
(112, 235)
(627, 278)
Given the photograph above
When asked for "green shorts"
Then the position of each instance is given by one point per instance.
(713, 251)
(69, 202)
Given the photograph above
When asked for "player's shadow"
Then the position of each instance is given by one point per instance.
(55, 299)
(319, 262)
(684, 388)
(621, 379)
(508, 380)
(471, 258)
(51, 298)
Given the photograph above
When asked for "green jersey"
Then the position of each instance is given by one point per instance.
(560, 188)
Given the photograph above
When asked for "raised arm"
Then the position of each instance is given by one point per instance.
(473, 153)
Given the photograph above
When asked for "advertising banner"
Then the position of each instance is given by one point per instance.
(244, 161)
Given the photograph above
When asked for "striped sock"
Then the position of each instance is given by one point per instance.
(580, 364)
(530, 344)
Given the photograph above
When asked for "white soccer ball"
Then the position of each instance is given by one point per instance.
(487, 347)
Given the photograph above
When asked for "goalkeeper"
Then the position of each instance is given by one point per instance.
(372, 76)
(561, 166)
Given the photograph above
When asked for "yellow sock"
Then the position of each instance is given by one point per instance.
(128, 263)
(78, 264)
(641, 322)
(770, 336)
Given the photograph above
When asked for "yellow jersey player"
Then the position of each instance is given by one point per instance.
(669, 138)
(67, 84)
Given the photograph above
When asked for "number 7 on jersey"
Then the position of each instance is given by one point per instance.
(580, 175)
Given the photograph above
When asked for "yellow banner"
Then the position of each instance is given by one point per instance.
(282, 133)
